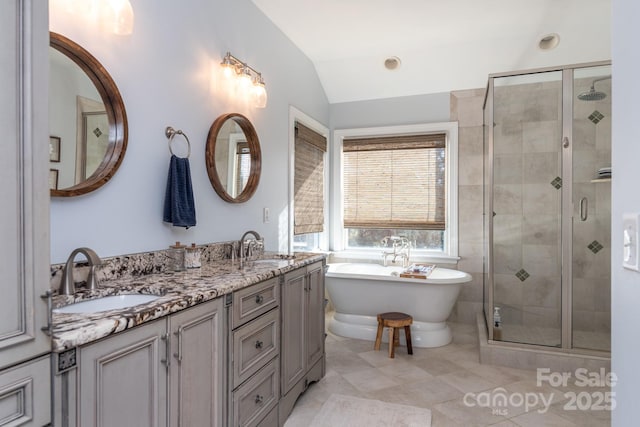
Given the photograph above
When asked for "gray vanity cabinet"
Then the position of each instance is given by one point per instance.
(24, 214)
(196, 380)
(122, 380)
(302, 352)
(169, 372)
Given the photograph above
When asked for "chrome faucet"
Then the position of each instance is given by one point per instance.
(250, 246)
(401, 249)
(67, 285)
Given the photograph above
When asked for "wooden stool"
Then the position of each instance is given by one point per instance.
(394, 321)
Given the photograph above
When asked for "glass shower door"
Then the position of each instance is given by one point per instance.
(591, 182)
(526, 207)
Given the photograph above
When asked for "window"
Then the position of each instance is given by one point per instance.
(309, 216)
(398, 181)
(308, 208)
(242, 168)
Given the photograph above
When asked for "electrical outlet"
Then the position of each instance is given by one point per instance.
(265, 215)
(66, 360)
(630, 240)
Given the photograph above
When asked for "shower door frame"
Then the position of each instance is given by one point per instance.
(566, 210)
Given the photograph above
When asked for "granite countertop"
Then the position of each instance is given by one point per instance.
(177, 291)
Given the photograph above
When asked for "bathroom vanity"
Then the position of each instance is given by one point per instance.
(222, 345)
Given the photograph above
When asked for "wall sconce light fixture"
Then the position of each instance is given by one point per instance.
(247, 78)
(114, 16)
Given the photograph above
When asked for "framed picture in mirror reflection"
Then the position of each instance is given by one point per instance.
(53, 179)
(54, 149)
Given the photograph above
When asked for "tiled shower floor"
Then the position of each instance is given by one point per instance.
(437, 379)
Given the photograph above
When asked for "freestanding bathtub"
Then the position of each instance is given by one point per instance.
(359, 292)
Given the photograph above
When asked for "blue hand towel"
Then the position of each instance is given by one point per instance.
(179, 207)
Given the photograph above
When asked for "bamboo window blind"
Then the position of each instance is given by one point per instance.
(243, 166)
(395, 182)
(308, 204)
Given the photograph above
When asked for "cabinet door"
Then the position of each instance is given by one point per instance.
(315, 314)
(24, 394)
(24, 215)
(293, 329)
(196, 380)
(122, 380)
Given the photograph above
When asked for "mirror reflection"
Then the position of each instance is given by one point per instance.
(87, 121)
(233, 157)
(78, 122)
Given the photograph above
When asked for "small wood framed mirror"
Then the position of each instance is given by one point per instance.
(233, 157)
(87, 123)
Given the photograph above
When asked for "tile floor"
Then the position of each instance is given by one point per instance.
(439, 379)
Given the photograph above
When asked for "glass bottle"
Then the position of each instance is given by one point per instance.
(177, 257)
(192, 259)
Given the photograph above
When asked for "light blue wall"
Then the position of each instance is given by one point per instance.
(167, 72)
(625, 341)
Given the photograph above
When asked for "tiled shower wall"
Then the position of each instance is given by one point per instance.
(466, 109)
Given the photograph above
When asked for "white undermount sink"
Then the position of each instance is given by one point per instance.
(273, 261)
(114, 302)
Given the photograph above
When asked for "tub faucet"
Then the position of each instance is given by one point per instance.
(401, 249)
(67, 284)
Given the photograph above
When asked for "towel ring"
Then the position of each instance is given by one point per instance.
(170, 133)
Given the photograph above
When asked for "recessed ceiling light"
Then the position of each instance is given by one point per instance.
(549, 41)
(392, 63)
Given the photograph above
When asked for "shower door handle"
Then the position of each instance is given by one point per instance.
(565, 142)
(584, 208)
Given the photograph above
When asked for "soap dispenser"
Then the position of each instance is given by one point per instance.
(497, 324)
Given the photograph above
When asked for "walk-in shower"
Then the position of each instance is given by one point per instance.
(547, 208)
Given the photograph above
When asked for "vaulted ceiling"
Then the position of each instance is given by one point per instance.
(443, 45)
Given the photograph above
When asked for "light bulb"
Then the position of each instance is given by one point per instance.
(118, 17)
(227, 71)
(227, 67)
(259, 93)
(245, 80)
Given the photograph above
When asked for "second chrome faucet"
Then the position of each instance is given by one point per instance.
(67, 283)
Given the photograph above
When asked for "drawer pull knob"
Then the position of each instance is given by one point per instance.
(259, 299)
(259, 399)
(259, 344)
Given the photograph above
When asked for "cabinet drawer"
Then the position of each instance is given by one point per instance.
(251, 302)
(254, 344)
(25, 394)
(271, 420)
(253, 400)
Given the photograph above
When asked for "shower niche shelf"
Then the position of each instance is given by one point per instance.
(601, 180)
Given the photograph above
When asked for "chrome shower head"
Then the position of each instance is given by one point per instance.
(592, 95)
